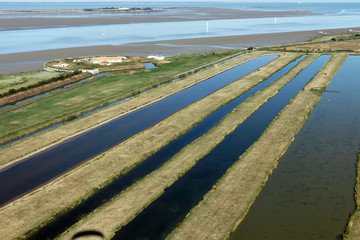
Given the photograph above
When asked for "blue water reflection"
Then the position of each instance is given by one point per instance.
(54, 38)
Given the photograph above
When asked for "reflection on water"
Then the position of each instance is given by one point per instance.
(40, 168)
(162, 215)
(54, 38)
(310, 194)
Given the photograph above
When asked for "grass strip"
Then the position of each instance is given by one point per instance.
(42, 205)
(9, 81)
(72, 103)
(40, 142)
(123, 208)
(14, 95)
(224, 207)
(352, 231)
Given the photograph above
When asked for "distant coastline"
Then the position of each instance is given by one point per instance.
(25, 61)
(28, 19)
(83, 10)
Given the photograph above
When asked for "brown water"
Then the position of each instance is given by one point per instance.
(310, 194)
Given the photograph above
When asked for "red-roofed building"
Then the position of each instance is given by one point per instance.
(107, 60)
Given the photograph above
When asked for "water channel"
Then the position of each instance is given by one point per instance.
(66, 220)
(162, 216)
(147, 66)
(310, 194)
(41, 168)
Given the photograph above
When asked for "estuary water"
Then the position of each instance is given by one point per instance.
(16, 41)
(333, 15)
(310, 194)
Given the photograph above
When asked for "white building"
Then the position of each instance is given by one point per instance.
(158, 57)
(107, 60)
(92, 71)
(61, 65)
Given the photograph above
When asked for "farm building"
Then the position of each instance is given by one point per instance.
(160, 58)
(107, 60)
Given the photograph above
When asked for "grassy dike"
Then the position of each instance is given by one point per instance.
(123, 208)
(110, 88)
(353, 229)
(40, 206)
(18, 151)
(224, 207)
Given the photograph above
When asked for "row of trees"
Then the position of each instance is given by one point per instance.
(50, 80)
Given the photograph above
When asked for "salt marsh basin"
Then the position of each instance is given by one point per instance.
(316, 163)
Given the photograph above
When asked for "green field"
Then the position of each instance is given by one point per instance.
(9, 81)
(115, 86)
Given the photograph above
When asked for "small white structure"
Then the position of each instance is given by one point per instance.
(92, 71)
(61, 65)
(158, 57)
(107, 60)
(81, 59)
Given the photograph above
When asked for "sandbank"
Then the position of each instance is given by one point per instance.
(26, 61)
(71, 18)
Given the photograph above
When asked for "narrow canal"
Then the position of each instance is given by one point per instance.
(162, 216)
(310, 194)
(39, 169)
(69, 218)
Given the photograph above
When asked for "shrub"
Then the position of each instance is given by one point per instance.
(12, 91)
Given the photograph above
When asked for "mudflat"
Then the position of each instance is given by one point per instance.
(25, 61)
(79, 17)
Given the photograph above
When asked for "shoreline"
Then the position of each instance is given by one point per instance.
(34, 19)
(27, 61)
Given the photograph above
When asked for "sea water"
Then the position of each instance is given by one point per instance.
(332, 15)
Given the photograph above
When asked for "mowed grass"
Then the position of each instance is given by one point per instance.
(226, 205)
(353, 228)
(73, 103)
(124, 207)
(41, 141)
(9, 81)
(24, 214)
(338, 45)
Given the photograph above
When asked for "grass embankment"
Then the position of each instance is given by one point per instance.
(224, 207)
(329, 46)
(73, 103)
(54, 136)
(123, 208)
(9, 81)
(42, 87)
(340, 37)
(42, 205)
(353, 229)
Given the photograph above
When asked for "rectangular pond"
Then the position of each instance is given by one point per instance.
(66, 220)
(162, 216)
(41, 168)
(310, 194)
